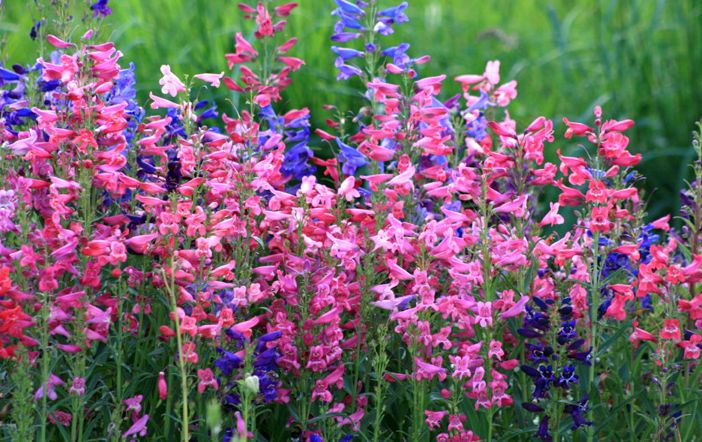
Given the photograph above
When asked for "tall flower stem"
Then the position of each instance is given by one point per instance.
(45, 361)
(380, 362)
(22, 415)
(593, 308)
(185, 424)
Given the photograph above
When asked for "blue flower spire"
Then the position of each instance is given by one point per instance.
(552, 358)
(357, 19)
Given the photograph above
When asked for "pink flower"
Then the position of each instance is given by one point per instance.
(461, 366)
(517, 309)
(139, 427)
(77, 386)
(212, 79)
(348, 190)
(516, 207)
(428, 371)
(207, 379)
(162, 103)
(57, 42)
(640, 335)
(162, 386)
(189, 353)
(51, 383)
(134, 403)
(492, 71)
(484, 314)
(600, 220)
(552, 217)
(170, 83)
(671, 330)
(456, 422)
(691, 346)
(495, 350)
(61, 417)
(188, 325)
(434, 418)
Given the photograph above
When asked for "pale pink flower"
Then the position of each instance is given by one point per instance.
(162, 103)
(170, 84)
(552, 217)
(212, 79)
(347, 189)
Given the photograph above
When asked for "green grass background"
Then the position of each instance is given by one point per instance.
(637, 58)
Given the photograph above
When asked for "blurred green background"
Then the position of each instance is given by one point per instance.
(639, 59)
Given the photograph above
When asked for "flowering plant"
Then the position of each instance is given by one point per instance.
(170, 273)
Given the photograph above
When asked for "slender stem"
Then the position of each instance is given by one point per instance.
(594, 307)
(45, 361)
(181, 360)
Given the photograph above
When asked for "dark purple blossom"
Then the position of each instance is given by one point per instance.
(100, 8)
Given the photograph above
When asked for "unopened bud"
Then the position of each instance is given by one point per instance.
(214, 417)
(251, 383)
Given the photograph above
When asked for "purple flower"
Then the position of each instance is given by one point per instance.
(8, 76)
(343, 37)
(543, 433)
(227, 362)
(576, 412)
(346, 53)
(34, 32)
(348, 7)
(395, 14)
(346, 71)
(350, 158)
(100, 8)
(139, 427)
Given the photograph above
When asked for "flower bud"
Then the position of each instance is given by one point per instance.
(162, 386)
(251, 383)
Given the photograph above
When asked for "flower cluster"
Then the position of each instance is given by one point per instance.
(168, 271)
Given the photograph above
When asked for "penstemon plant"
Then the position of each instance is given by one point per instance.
(168, 272)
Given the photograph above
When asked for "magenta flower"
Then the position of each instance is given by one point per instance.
(138, 427)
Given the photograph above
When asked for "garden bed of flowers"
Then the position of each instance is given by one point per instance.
(416, 270)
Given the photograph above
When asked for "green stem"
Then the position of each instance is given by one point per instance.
(185, 424)
(593, 308)
(45, 361)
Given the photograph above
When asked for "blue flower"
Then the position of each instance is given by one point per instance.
(567, 376)
(227, 361)
(343, 37)
(566, 332)
(477, 128)
(348, 7)
(577, 411)
(34, 32)
(346, 53)
(350, 158)
(547, 366)
(8, 76)
(100, 8)
(395, 14)
(346, 71)
(543, 433)
(482, 103)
